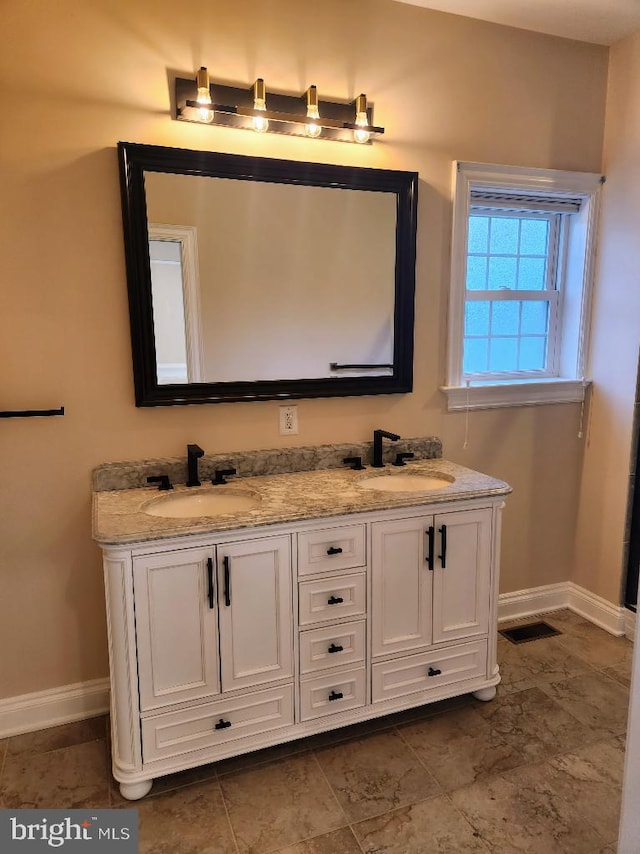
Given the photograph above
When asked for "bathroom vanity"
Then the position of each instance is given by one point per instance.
(312, 600)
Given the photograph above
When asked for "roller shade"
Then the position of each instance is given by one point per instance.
(518, 202)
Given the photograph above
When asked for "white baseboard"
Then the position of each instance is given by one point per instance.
(536, 600)
(68, 703)
(553, 597)
(55, 706)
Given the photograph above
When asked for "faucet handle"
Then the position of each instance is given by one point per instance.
(221, 475)
(162, 480)
(402, 456)
(354, 463)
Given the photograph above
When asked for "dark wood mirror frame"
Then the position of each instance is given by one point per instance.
(136, 159)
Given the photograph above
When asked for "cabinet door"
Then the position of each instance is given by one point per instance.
(256, 620)
(401, 593)
(461, 587)
(176, 627)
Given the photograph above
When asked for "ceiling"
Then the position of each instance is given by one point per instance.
(598, 21)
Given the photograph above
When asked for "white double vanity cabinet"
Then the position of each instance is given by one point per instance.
(238, 631)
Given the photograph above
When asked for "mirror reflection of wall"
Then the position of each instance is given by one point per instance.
(291, 278)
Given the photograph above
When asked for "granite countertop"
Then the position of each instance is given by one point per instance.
(119, 517)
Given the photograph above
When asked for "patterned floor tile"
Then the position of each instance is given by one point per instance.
(597, 701)
(273, 806)
(375, 774)
(70, 778)
(433, 826)
(188, 821)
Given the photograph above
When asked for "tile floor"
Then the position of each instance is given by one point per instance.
(538, 769)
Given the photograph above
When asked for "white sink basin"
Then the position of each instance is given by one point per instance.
(187, 505)
(406, 482)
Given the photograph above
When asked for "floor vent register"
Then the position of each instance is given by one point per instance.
(529, 632)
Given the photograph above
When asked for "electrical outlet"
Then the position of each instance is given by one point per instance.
(288, 420)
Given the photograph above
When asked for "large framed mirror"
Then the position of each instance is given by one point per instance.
(253, 278)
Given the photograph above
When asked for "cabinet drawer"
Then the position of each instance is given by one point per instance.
(332, 598)
(333, 692)
(175, 733)
(331, 549)
(332, 646)
(412, 674)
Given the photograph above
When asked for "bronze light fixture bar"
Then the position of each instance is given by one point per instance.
(200, 101)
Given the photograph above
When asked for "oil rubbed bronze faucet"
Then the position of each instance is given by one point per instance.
(194, 452)
(378, 436)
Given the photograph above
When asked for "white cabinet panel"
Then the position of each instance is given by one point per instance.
(332, 692)
(332, 646)
(176, 627)
(428, 670)
(402, 584)
(460, 587)
(332, 598)
(205, 726)
(256, 621)
(331, 549)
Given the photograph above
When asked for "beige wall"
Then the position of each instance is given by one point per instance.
(76, 78)
(615, 337)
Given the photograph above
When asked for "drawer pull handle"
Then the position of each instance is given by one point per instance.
(433, 672)
(210, 581)
(222, 724)
(431, 537)
(226, 563)
(335, 600)
(335, 648)
(443, 556)
(335, 695)
(332, 550)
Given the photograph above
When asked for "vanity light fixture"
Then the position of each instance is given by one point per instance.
(361, 132)
(312, 128)
(260, 122)
(205, 113)
(204, 102)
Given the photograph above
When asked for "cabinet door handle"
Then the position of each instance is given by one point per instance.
(433, 672)
(335, 695)
(334, 600)
(335, 648)
(222, 724)
(431, 547)
(226, 563)
(332, 550)
(443, 542)
(210, 580)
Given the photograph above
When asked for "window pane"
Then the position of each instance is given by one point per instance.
(504, 235)
(505, 317)
(532, 353)
(478, 233)
(475, 358)
(535, 318)
(534, 235)
(476, 273)
(531, 275)
(503, 354)
(502, 273)
(476, 318)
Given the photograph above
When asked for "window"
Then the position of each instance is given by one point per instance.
(522, 260)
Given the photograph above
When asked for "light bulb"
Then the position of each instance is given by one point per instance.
(205, 113)
(311, 129)
(362, 120)
(260, 123)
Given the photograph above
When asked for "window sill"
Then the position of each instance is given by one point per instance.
(513, 393)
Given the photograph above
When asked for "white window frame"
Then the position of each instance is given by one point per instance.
(564, 381)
